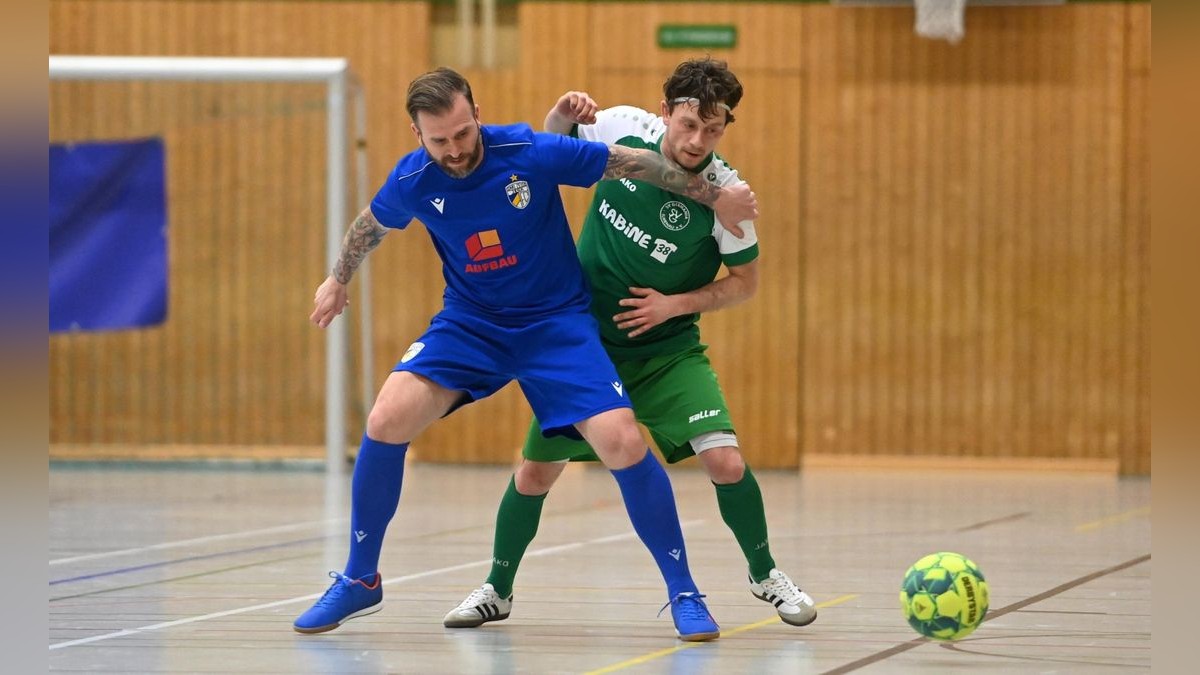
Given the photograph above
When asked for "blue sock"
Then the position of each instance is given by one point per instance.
(651, 506)
(374, 496)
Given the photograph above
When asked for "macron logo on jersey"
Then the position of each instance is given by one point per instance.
(439, 203)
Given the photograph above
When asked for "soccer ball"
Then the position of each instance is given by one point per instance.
(944, 596)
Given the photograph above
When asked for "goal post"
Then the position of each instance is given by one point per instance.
(340, 86)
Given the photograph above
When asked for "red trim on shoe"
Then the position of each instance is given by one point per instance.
(371, 586)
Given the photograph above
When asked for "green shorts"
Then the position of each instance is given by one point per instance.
(676, 397)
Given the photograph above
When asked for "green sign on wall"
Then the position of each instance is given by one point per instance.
(708, 36)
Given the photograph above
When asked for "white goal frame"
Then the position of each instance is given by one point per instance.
(340, 84)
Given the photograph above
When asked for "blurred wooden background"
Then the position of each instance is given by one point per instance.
(955, 238)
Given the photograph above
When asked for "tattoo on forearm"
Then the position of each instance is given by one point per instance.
(364, 235)
(653, 168)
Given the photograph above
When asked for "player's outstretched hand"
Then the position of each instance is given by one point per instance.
(736, 204)
(331, 299)
(577, 106)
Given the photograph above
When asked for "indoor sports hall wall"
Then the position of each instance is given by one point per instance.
(955, 239)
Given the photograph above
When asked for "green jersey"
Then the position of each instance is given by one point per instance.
(636, 234)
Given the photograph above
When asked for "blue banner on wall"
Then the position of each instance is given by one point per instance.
(108, 235)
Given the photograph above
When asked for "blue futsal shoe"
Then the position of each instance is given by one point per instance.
(346, 599)
(693, 622)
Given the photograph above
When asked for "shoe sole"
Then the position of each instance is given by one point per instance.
(326, 628)
(786, 619)
(699, 637)
(473, 623)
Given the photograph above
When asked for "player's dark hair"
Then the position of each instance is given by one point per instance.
(707, 80)
(434, 92)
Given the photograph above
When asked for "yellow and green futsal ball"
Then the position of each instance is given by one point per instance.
(944, 596)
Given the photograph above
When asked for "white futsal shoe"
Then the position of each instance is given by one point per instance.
(481, 606)
(794, 605)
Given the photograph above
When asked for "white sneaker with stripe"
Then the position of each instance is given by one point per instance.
(481, 606)
(794, 605)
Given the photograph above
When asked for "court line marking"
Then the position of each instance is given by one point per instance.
(995, 521)
(240, 551)
(314, 596)
(197, 540)
(412, 537)
(1113, 520)
(185, 577)
(191, 558)
(639, 660)
(286, 528)
(917, 642)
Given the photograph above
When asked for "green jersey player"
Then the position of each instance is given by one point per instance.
(651, 258)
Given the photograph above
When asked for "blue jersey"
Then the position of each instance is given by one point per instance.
(502, 234)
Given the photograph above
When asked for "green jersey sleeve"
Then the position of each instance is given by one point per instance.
(734, 251)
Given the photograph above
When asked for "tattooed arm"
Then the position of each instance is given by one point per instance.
(364, 235)
(732, 204)
(331, 299)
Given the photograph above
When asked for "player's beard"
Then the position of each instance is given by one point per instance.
(469, 162)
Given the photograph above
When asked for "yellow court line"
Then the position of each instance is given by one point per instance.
(1113, 520)
(689, 645)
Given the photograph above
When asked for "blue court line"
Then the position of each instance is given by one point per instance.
(197, 575)
(206, 556)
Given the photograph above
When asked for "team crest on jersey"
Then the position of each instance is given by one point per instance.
(674, 215)
(518, 192)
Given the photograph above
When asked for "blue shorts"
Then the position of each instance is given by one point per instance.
(558, 361)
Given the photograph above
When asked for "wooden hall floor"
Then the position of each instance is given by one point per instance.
(157, 569)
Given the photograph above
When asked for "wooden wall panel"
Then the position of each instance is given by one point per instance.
(955, 239)
(624, 34)
(967, 218)
(1133, 406)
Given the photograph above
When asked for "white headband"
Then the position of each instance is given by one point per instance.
(696, 102)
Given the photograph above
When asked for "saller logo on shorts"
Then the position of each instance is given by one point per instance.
(703, 415)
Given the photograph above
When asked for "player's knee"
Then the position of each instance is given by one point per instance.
(386, 424)
(615, 437)
(620, 448)
(628, 448)
(628, 441)
(724, 465)
(536, 478)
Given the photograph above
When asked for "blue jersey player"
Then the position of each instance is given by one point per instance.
(516, 306)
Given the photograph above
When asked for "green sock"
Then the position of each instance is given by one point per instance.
(516, 524)
(741, 507)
